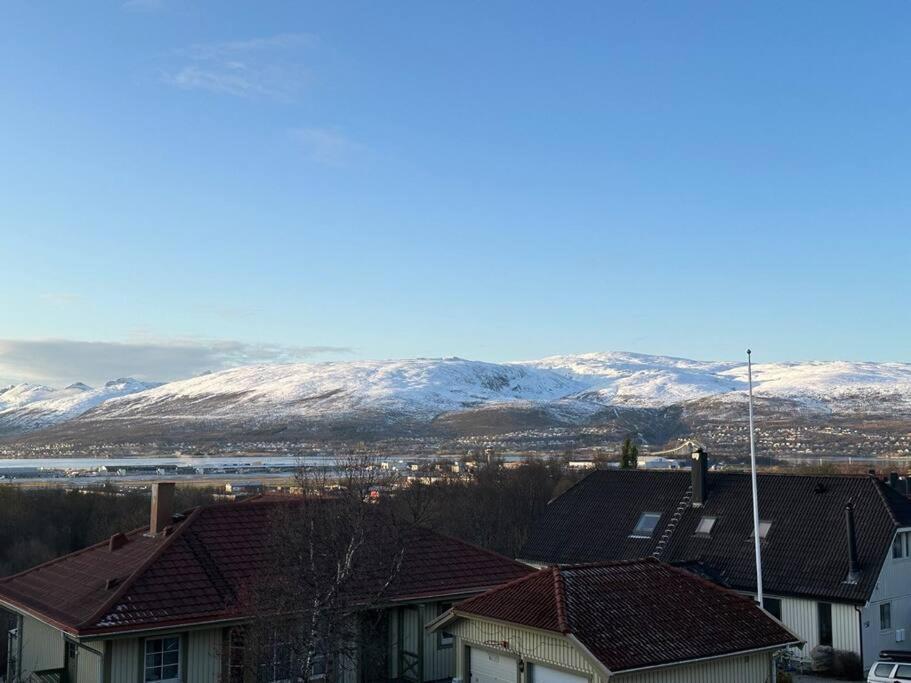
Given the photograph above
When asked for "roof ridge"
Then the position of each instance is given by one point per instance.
(468, 544)
(502, 586)
(131, 579)
(560, 598)
(878, 485)
(75, 553)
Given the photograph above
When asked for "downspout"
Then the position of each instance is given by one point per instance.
(860, 633)
(20, 626)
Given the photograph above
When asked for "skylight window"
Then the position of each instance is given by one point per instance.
(764, 526)
(705, 525)
(646, 525)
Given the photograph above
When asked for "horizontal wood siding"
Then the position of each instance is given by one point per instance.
(531, 645)
(42, 646)
(203, 650)
(754, 668)
(125, 660)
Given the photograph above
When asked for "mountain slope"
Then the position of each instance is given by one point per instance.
(25, 407)
(452, 394)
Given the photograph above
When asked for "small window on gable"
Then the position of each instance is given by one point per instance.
(764, 527)
(646, 525)
(704, 528)
(773, 607)
(885, 616)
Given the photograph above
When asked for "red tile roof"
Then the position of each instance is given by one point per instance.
(635, 614)
(201, 570)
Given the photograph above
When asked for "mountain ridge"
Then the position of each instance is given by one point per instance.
(417, 395)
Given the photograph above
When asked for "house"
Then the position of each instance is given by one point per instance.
(161, 603)
(836, 550)
(638, 621)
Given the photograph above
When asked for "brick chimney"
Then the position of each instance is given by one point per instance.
(162, 507)
(698, 471)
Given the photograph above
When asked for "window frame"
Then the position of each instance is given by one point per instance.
(770, 600)
(161, 667)
(703, 520)
(888, 615)
(642, 534)
(445, 639)
(824, 609)
(763, 535)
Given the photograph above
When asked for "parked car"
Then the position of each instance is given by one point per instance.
(891, 666)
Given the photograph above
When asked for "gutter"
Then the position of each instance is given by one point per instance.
(682, 662)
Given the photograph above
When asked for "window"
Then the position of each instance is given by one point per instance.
(764, 527)
(773, 607)
(237, 652)
(278, 666)
(646, 525)
(824, 614)
(444, 638)
(883, 670)
(885, 616)
(903, 672)
(162, 659)
(705, 525)
(901, 546)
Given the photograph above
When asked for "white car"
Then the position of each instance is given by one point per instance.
(891, 667)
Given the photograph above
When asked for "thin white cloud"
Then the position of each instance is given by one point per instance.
(327, 146)
(60, 298)
(257, 67)
(59, 362)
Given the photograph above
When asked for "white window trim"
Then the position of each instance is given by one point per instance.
(179, 657)
(888, 628)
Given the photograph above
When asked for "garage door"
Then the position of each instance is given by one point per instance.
(544, 674)
(493, 667)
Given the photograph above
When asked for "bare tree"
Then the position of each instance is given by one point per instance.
(337, 549)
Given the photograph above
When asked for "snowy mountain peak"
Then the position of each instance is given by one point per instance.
(574, 387)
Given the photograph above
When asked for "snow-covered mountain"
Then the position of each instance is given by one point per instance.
(33, 406)
(566, 389)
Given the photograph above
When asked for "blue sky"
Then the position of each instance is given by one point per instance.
(491, 180)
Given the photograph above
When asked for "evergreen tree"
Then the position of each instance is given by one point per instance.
(629, 454)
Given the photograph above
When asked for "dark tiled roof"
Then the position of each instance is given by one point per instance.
(204, 568)
(804, 554)
(633, 614)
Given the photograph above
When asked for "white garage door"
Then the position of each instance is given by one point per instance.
(544, 674)
(493, 667)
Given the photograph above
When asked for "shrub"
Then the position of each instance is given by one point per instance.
(847, 665)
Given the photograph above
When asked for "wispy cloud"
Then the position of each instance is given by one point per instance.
(60, 298)
(327, 146)
(258, 67)
(61, 361)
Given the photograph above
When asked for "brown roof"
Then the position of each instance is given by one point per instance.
(200, 570)
(631, 615)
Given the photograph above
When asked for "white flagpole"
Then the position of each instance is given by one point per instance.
(755, 495)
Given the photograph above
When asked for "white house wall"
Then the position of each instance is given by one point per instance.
(755, 668)
(42, 646)
(530, 645)
(893, 586)
(89, 665)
